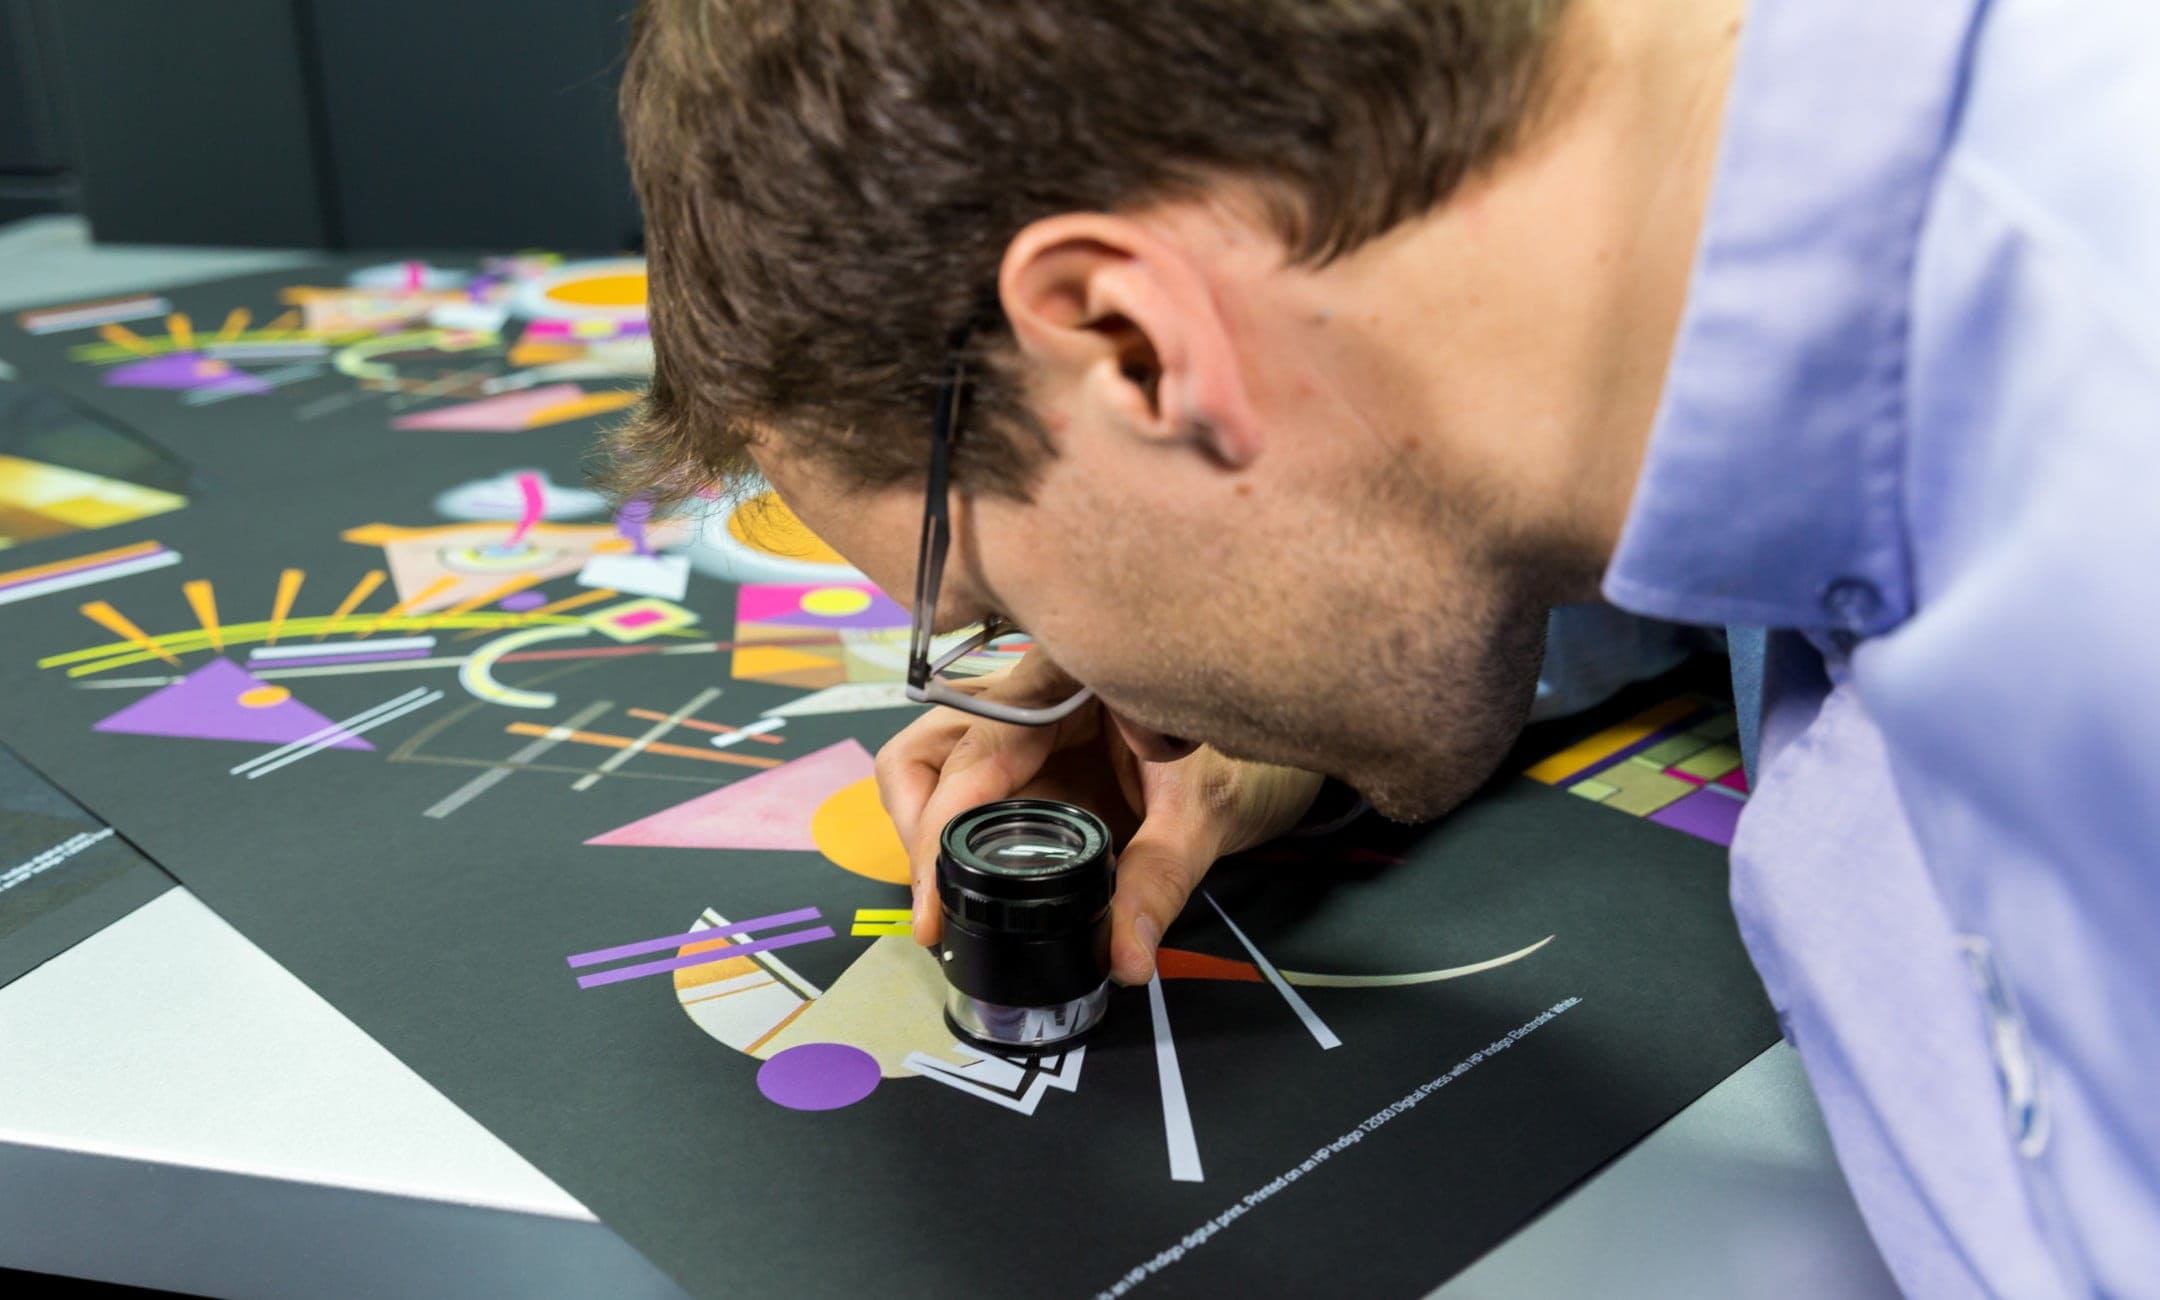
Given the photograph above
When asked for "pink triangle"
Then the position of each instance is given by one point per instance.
(205, 705)
(769, 811)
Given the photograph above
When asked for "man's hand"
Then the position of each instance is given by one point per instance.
(1182, 815)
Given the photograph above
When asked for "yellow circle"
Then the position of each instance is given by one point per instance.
(836, 602)
(624, 290)
(262, 697)
(851, 828)
(766, 525)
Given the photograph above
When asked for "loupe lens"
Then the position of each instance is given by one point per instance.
(1027, 845)
(1025, 885)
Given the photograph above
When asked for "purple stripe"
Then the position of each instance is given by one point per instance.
(703, 958)
(639, 949)
(309, 661)
(86, 568)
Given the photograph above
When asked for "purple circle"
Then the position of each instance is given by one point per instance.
(818, 1076)
(522, 601)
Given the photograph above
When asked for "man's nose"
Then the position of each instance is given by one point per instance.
(1152, 745)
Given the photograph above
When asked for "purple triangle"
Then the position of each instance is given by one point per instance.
(183, 370)
(205, 705)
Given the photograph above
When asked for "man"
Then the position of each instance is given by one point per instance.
(1303, 356)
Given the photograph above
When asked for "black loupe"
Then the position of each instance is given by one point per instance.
(1026, 885)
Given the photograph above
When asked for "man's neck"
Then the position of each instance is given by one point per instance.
(1518, 335)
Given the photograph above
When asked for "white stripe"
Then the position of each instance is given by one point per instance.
(63, 581)
(729, 739)
(652, 733)
(1176, 1114)
(1318, 1027)
(333, 731)
(320, 648)
(369, 725)
(52, 322)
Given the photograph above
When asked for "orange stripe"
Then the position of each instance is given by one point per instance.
(112, 620)
(654, 715)
(202, 598)
(288, 587)
(360, 592)
(606, 741)
(767, 1036)
(82, 561)
(421, 597)
(122, 337)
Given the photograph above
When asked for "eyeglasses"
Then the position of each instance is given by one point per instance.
(927, 682)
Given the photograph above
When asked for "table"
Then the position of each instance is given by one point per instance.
(178, 1111)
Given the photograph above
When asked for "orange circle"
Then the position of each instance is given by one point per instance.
(851, 828)
(263, 697)
(621, 290)
(767, 526)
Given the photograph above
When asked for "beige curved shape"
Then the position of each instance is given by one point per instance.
(477, 673)
(1310, 980)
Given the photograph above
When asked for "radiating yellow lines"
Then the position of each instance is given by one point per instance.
(203, 600)
(288, 589)
(121, 654)
(112, 620)
(421, 597)
(182, 330)
(495, 593)
(235, 321)
(592, 597)
(283, 323)
(882, 921)
(120, 336)
(360, 592)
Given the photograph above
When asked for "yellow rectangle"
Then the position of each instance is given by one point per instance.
(1643, 789)
(1711, 763)
(1610, 741)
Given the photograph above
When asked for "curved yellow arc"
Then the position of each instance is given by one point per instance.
(477, 676)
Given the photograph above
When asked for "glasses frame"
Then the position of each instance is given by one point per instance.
(925, 684)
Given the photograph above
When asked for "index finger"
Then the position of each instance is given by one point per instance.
(988, 762)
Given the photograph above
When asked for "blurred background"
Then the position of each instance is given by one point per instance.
(328, 124)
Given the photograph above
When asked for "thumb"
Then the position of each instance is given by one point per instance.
(1155, 876)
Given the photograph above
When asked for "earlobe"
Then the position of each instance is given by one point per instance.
(1106, 310)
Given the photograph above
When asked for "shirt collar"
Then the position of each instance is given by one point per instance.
(1770, 492)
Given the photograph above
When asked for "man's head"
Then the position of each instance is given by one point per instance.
(1298, 332)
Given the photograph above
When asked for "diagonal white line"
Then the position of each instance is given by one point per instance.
(1320, 1032)
(331, 730)
(369, 725)
(1176, 1112)
(487, 780)
(652, 733)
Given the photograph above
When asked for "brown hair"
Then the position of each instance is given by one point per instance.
(829, 185)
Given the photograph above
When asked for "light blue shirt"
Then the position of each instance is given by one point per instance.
(1912, 427)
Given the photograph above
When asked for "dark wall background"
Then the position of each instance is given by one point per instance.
(319, 123)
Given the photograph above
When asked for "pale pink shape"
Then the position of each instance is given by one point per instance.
(505, 414)
(771, 810)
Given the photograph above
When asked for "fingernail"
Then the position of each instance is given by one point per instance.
(921, 904)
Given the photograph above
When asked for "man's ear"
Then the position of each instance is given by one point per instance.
(1117, 318)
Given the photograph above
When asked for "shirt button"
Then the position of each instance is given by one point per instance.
(1852, 603)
